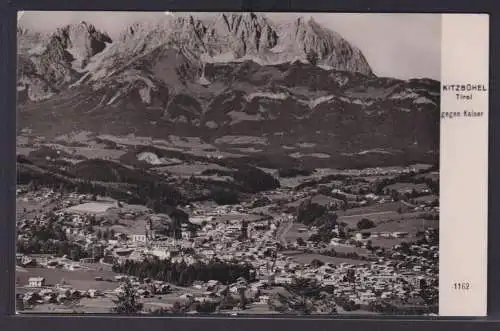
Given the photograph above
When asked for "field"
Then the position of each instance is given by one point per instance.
(102, 152)
(295, 232)
(81, 280)
(92, 207)
(103, 305)
(353, 220)
(406, 187)
(306, 258)
(434, 175)
(412, 225)
(427, 198)
(192, 169)
(26, 207)
(374, 209)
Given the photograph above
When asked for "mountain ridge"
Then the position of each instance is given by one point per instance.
(176, 77)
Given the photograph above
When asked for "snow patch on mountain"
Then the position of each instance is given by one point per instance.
(315, 102)
(150, 158)
(238, 116)
(299, 155)
(424, 100)
(114, 98)
(407, 94)
(266, 95)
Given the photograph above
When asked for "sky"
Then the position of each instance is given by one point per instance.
(396, 45)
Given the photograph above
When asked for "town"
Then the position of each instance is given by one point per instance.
(309, 249)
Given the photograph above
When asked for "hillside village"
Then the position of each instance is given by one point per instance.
(261, 246)
(231, 164)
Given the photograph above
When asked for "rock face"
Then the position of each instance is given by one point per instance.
(226, 38)
(233, 75)
(48, 63)
(82, 41)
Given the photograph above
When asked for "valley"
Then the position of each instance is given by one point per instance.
(230, 164)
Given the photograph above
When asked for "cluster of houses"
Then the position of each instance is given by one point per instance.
(381, 171)
(37, 293)
(399, 275)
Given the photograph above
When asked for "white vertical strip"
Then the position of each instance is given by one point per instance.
(464, 166)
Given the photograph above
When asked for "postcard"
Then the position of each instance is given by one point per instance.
(252, 164)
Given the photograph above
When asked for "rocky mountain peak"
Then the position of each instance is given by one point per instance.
(305, 35)
(174, 49)
(82, 40)
(241, 34)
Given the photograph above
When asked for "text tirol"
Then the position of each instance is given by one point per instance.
(464, 88)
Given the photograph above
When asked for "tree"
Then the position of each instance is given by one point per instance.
(19, 303)
(75, 253)
(176, 308)
(223, 196)
(242, 303)
(127, 301)
(312, 57)
(351, 276)
(253, 180)
(365, 223)
(429, 295)
(310, 213)
(304, 290)
(301, 241)
(244, 229)
(317, 263)
(395, 195)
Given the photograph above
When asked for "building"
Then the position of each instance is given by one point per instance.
(139, 238)
(87, 260)
(36, 282)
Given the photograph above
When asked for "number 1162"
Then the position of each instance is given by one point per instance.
(461, 286)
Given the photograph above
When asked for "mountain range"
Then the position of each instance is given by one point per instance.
(297, 86)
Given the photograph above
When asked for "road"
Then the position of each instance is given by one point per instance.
(369, 214)
(283, 229)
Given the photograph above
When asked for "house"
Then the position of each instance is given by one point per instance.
(283, 280)
(87, 260)
(27, 261)
(400, 234)
(139, 238)
(36, 282)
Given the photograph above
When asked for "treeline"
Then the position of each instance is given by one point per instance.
(328, 179)
(272, 161)
(293, 172)
(50, 239)
(183, 274)
(57, 248)
(216, 172)
(109, 171)
(254, 180)
(407, 178)
(224, 196)
(148, 186)
(140, 189)
(247, 179)
(311, 213)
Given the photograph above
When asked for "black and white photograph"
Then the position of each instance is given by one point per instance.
(239, 163)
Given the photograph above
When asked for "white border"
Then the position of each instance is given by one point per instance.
(464, 168)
